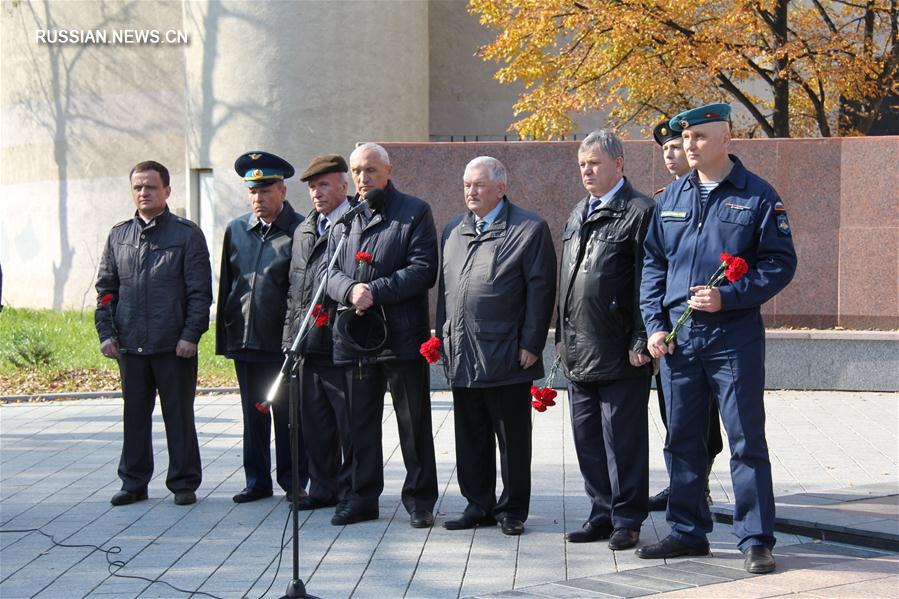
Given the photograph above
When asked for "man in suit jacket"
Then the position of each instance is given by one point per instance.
(497, 286)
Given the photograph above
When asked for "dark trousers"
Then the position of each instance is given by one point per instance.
(484, 417)
(611, 437)
(409, 382)
(176, 381)
(716, 443)
(326, 429)
(254, 379)
(728, 361)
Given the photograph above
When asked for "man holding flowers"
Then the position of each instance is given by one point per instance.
(719, 246)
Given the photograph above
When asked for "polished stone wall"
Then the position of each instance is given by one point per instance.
(842, 197)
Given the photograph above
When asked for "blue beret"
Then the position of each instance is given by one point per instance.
(709, 113)
(259, 169)
(665, 132)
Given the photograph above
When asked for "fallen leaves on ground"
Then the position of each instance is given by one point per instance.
(36, 382)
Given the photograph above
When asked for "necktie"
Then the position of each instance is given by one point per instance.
(322, 225)
(479, 225)
(263, 230)
(594, 206)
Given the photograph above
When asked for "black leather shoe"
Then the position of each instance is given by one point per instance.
(466, 521)
(512, 526)
(659, 501)
(670, 547)
(249, 494)
(352, 516)
(312, 503)
(589, 533)
(759, 560)
(124, 497)
(185, 498)
(624, 538)
(421, 519)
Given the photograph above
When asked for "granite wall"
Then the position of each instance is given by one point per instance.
(842, 197)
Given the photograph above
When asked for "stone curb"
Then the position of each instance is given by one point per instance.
(99, 394)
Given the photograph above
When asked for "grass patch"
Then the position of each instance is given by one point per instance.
(43, 351)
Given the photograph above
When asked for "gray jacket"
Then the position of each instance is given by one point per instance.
(161, 283)
(496, 297)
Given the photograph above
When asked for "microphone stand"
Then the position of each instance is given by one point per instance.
(295, 588)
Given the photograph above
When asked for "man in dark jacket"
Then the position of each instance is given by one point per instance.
(497, 286)
(392, 277)
(154, 290)
(602, 341)
(252, 302)
(321, 385)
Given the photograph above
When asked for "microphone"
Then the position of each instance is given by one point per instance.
(374, 200)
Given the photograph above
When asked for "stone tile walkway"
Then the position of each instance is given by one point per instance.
(58, 470)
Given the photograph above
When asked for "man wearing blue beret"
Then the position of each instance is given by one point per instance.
(669, 138)
(720, 207)
(252, 303)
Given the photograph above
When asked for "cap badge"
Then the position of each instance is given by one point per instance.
(255, 156)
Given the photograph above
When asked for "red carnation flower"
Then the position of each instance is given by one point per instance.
(321, 315)
(548, 396)
(736, 268)
(538, 405)
(263, 408)
(106, 299)
(731, 268)
(363, 257)
(430, 350)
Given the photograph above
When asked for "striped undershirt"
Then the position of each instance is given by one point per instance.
(705, 188)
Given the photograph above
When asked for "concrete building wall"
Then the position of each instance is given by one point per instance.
(74, 119)
(299, 79)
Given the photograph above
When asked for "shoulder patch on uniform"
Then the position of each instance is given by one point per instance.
(783, 225)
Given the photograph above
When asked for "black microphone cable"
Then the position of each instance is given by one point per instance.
(114, 566)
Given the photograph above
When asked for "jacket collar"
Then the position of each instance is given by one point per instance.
(736, 177)
(282, 221)
(615, 208)
(155, 221)
(497, 227)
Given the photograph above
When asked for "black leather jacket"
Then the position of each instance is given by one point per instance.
(309, 254)
(161, 281)
(252, 295)
(402, 240)
(599, 318)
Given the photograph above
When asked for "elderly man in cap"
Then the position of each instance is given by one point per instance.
(252, 302)
(602, 342)
(720, 207)
(669, 138)
(321, 384)
(154, 289)
(386, 267)
(497, 286)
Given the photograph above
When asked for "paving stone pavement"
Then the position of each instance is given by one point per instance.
(58, 470)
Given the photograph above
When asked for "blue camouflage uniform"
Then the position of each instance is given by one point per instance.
(721, 353)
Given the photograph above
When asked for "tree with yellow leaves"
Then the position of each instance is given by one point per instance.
(798, 67)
